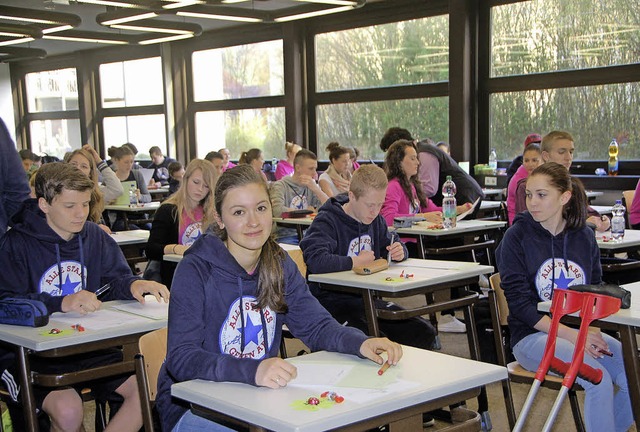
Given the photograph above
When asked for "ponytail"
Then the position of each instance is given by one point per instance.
(575, 211)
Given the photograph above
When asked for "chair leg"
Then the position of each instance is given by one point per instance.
(575, 409)
(100, 415)
(508, 402)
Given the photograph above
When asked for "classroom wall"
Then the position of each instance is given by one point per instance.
(6, 101)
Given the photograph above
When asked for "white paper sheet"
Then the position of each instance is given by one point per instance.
(150, 309)
(468, 212)
(100, 319)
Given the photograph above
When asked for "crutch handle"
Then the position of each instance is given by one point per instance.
(594, 376)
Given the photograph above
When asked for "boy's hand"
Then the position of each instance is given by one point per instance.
(372, 347)
(363, 258)
(274, 373)
(463, 208)
(397, 251)
(82, 302)
(141, 287)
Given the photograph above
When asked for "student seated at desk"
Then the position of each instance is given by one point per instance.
(297, 192)
(123, 162)
(183, 217)
(54, 255)
(335, 180)
(550, 247)
(160, 166)
(176, 173)
(350, 232)
(231, 294)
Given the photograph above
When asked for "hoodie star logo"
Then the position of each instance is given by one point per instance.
(68, 287)
(252, 331)
(562, 281)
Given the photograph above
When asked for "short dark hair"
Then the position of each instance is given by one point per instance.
(304, 154)
(174, 167)
(53, 178)
(392, 135)
(27, 154)
(155, 150)
(213, 155)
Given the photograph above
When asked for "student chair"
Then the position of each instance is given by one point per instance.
(296, 256)
(499, 312)
(152, 350)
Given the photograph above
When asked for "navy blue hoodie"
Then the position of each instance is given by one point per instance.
(532, 262)
(214, 332)
(38, 264)
(334, 237)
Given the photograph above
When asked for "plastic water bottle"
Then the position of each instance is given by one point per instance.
(617, 221)
(493, 160)
(133, 197)
(274, 164)
(449, 204)
(613, 157)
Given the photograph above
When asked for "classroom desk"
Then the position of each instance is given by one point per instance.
(126, 210)
(630, 242)
(591, 195)
(603, 209)
(432, 380)
(28, 340)
(159, 194)
(299, 223)
(626, 322)
(492, 193)
(464, 227)
(131, 242)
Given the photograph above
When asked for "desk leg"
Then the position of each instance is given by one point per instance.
(631, 366)
(300, 232)
(28, 401)
(370, 313)
(409, 424)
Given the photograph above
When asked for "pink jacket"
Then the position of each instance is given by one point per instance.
(634, 211)
(396, 203)
(521, 173)
(283, 169)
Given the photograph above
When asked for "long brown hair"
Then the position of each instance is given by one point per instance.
(393, 167)
(180, 198)
(271, 274)
(97, 199)
(574, 212)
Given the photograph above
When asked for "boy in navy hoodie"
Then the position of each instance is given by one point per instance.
(54, 255)
(349, 232)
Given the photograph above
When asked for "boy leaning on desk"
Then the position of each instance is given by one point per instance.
(54, 255)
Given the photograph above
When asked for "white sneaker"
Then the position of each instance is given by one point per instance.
(451, 324)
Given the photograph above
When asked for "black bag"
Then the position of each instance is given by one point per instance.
(23, 312)
(486, 340)
(609, 290)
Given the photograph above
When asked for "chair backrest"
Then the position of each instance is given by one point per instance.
(296, 256)
(153, 346)
(501, 300)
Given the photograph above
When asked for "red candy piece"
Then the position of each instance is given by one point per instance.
(325, 394)
(313, 401)
(55, 331)
(338, 399)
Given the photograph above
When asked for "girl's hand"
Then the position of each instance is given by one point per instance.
(463, 208)
(372, 347)
(433, 217)
(93, 152)
(275, 373)
(82, 302)
(594, 343)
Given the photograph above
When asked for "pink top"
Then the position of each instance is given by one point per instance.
(396, 203)
(520, 174)
(190, 229)
(283, 169)
(356, 165)
(634, 211)
(229, 166)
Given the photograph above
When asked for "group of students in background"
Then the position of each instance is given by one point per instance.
(236, 288)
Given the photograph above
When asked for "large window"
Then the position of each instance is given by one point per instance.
(362, 124)
(407, 52)
(239, 94)
(53, 95)
(243, 71)
(555, 38)
(360, 73)
(135, 86)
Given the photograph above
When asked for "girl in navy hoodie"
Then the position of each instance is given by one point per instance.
(231, 294)
(550, 247)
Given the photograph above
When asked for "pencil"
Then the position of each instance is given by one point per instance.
(384, 368)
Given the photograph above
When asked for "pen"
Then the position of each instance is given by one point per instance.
(103, 289)
(393, 236)
(384, 368)
(602, 351)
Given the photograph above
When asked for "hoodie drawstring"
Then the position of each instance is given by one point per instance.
(553, 259)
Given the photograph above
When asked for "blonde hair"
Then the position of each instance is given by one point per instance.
(552, 137)
(97, 199)
(180, 198)
(368, 177)
(290, 147)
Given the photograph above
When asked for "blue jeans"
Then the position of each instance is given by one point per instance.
(600, 399)
(189, 422)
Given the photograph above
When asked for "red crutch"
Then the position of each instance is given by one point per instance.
(566, 302)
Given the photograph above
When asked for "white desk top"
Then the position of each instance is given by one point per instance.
(163, 189)
(154, 205)
(38, 339)
(603, 210)
(490, 205)
(294, 221)
(425, 273)
(629, 316)
(593, 194)
(130, 237)
(462, 227)
(491, 191)
(431, 375)
(631, 239)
